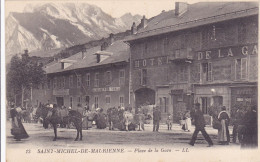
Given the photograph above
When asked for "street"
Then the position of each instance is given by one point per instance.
(175, 138)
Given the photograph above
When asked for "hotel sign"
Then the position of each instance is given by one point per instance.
(106, 89)
(61, 92)
(228, 52)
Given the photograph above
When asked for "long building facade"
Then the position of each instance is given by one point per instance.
(98, 77)
(204, 52)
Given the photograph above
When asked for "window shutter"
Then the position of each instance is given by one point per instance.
(243, 68)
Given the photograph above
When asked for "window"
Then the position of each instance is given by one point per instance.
(79, 100)
(49, 83)
(145, 48)
(121, 77)
(63, 82)
(79, 81)
(71, 81)
(108, 99)
(183, 74)
(88, 79)
(87, 99)
(205, 104)
(241, 68)
(242, 32)
(206, 71)
(71, 101)
(144, 77)
(96, 101)
(137, 63)
(96, 83)
(164, 102)
(54, 83)
(108, 78)
(121, 101)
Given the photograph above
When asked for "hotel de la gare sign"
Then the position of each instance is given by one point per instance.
(216, 53)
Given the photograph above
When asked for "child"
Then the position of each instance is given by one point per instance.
(169, 122)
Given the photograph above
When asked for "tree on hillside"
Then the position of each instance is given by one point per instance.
(24, 73)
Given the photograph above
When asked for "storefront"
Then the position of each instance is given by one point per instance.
(243, 96)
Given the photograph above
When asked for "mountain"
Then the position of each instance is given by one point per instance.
(50, 26)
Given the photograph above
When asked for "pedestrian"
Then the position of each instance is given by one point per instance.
(156, 119)
(199, 122)
(101, 119)
(223, 132)
(187, 121)
(169, 121)
(250, 132)
(17, 129)
(238, 116)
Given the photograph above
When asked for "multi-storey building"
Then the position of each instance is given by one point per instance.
(98, 76)
(203, 52)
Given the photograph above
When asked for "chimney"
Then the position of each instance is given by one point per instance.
(111, 38)
(181, 8)
(62, 65)
(83, 53)
(133, 29)
(98, 58)
(143, 22)
(26, 51)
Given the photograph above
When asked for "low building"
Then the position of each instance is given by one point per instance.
(98, 76)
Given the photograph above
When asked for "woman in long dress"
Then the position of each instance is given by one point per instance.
(17, 129)
(223, 132)
(187, 121)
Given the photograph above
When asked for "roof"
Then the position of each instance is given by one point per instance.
(119, 52)
(198, 14)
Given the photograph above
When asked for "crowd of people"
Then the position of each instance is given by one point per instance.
(244, 122)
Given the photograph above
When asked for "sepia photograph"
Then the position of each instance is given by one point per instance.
(94, 80)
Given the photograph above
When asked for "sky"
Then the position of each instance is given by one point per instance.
(115, 8)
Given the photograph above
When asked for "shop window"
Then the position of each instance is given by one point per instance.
(87, 79)
(205, 104)
(164, 102)
(108, 99)
(121, 101)
(206, 71)
(144, 77)
(241, 68)
(79, 80)
(71, 81)
(122, 77)
(96, 83)
(96, 101)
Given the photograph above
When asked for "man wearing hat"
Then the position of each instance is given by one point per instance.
(199, 122)
(156, 118)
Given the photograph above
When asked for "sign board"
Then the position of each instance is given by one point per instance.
(61, 92)
(106, 89)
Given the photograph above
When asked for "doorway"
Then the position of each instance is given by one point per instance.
(60, 101)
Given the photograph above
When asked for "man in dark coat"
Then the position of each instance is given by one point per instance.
(250, 133)
(156, 119)
(199, 122)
